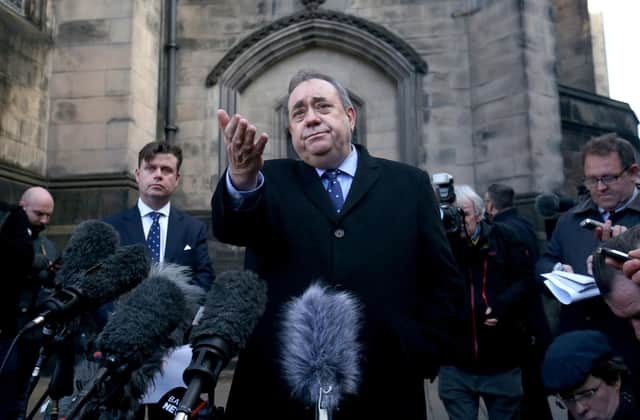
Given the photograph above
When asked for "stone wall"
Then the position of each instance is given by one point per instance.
(574, 50)
(104, 98)
(26, 45)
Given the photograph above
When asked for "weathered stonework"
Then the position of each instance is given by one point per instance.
(470, 87)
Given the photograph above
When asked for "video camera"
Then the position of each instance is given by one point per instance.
(452, 217)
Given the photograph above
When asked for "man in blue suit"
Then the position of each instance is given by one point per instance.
(182, 239)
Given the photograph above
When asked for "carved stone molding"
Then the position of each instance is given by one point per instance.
(304, 20)
(337, 31)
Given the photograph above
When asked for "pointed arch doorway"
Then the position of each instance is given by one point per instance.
(379, 69)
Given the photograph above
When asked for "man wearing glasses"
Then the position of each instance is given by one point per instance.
(591, 382)
(610, 174)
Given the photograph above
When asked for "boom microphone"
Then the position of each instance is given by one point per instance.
(132, 345)
(321, 353)
(100, 284)
(234, 304)
(91, 242)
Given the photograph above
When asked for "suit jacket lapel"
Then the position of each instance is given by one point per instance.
(366, 176)
(134, 227)
(172, 246)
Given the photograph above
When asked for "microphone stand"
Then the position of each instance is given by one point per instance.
(113, 373)
(61, 383)
(49, 332)
(321, 412)
(208, 359)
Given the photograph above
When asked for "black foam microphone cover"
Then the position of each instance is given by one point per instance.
(90, 243)
(100, 284)
(132, 344)
(234, 305)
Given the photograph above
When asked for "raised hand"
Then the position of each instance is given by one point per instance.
(243, 150)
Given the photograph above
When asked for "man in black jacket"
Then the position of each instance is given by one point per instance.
(499, 206)
(610, 173)
(28, 260)
(486, 358)
(381, 239)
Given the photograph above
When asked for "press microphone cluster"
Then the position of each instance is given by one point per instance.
(94, 271)
(131, 346)
(234, 304)
(321, 352)
(86, 290)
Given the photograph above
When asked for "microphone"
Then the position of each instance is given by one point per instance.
(90, 243)
(550, 206)
(321, 352)
(100, 284)
(144, 327)
(234, 304)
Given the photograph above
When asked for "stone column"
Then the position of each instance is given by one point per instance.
(514, 100)
(104, 96)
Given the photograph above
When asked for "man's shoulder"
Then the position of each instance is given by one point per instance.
(121, 216)
(391, 169)
(184, 217)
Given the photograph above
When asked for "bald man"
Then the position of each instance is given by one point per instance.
(27, 259)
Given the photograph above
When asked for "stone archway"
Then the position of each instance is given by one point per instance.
(357, 44)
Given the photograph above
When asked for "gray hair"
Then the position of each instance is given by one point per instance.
(304, 75)
(465, 192)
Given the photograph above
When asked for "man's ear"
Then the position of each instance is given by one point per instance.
(351, 115)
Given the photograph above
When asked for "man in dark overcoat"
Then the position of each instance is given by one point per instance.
(381, 240)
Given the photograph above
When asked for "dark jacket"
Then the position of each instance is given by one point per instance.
(16, 256)
(522, 228)
(186, 241)
(628, 408)
(536, 322)
(387, 246)
(572, 244)
(498, 274)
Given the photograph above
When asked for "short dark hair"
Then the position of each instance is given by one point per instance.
(610, 143)
(610, 369)
(304, 75)
(605, 274)
(501, 196)
(149, 151)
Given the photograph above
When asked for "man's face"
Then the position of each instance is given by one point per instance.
(39, 210)
(320, 127)
(615, 193)
(489, 209)
(157, 179)
(594, 400)
(624, 301)
(470, 218)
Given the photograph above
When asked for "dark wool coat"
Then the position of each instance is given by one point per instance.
(387, 247)
(498, 274)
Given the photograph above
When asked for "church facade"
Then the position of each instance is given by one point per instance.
(486, 90)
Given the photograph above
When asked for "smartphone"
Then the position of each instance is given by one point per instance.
(591, 224)
(614, 254)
